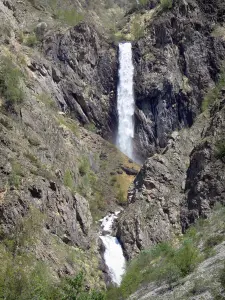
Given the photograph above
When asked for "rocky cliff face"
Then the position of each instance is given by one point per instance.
(86, 74)
(176, 61)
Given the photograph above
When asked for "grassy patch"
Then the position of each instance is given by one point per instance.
(69, 124)
(214, 93)
(16, 174)
(47, 100)
(84, 166)
(91, 127)
(69, 17)
(33, 159)
(137, 28)
(10, 83)
(166, 4)
(31, 40)
(68, 180)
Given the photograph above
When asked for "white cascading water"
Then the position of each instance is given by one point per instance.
(113, 254)
(125, 100)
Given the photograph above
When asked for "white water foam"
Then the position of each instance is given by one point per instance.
(125, 100)
(113, 254)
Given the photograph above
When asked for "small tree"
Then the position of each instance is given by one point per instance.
(166, 4)
(10, 82)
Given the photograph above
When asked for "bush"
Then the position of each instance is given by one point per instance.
(213, 241)
(74, 289)
(166, 4)
(68, 180)
(10, 83)
(214, 93)
(31, 40)
(137, 29)
(84, 167)
(69, 17)
(23, 277)
(162, 263)
(69, 123)
(220, 149)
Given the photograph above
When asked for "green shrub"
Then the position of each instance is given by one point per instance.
(68, 180)
(137, 29)
(166, 4)
(10, 83)
(69, 123)
(31, 40)
(84, 167)
(91, 127)
(69, 17)
(33, 159)
(187, 257)
(220, 149)
(47, 100)
(213, 241)
(16, 174)
(23, 277)
(74, 289)
(162, 263)
(214, 93)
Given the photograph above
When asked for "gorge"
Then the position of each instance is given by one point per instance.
(75, 76)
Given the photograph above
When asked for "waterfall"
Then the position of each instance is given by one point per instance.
(125, 100)
(113, 254)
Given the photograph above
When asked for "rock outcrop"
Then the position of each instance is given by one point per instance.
(85, 70)
(176, 61)
(153, 212)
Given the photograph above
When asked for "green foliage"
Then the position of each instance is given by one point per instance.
(143, 2)
(121, 199)
(68, 180)
(33, 159)
(47, 100)
(220, 149)
(214, 93)
(69, 17)
(23, 277)
(213, 241)
(91, 127)
(199, 287)
(137, 29)
(84, 166)
(10, 83)
(16, 174)
(31, 40)
(74, 289)
(161, 263)
(69, 123)
(166, 4)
